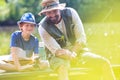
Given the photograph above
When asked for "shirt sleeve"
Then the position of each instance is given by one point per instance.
(78, 28)
(48, 40)
(36, 51)
(13, 40)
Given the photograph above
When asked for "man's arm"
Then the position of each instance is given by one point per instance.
(79, 32)
(53, 46)
(48, 40)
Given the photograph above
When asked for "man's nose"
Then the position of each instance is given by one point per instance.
(52, 15)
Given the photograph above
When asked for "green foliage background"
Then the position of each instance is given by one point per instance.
(89, 10)
(12, 10)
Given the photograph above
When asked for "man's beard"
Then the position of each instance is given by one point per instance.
(54, 20)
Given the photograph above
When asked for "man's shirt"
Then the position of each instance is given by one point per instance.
(51, 43)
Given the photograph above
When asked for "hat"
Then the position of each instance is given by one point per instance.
(49, 5)
(27, 18)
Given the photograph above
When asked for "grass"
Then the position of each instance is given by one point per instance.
(102, 39)
(4, 43)
(5, 33)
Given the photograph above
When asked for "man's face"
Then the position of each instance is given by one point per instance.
(53, 16)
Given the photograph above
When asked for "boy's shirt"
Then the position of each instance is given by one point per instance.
(29, 46)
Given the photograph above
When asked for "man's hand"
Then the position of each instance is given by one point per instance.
(65, 54)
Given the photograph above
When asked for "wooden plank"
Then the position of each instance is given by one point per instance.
(48, 73)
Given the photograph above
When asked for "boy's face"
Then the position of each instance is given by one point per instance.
(27, 28)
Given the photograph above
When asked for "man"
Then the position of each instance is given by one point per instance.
(63, 34)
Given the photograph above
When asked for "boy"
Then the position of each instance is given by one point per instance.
(23, 45)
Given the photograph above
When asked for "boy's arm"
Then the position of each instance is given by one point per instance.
(15, 58)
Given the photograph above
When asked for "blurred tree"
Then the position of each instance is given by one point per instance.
(68, 2)
(30, 6)
(89, 10)
(95, 10)
(17, 8)
(4, 10)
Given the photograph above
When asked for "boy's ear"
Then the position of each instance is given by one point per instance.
(20, 26)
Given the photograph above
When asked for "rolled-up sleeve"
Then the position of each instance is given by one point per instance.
(78, 28)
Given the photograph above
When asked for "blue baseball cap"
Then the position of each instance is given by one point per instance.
(27, 18)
